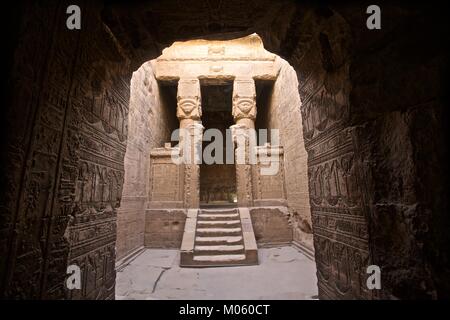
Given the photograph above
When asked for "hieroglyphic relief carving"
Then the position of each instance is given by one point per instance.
(192, 166)
(244, 184)
(336, 185)
(101, 114)
(225, 59)
(244, 99)
(338, 216)
(244, 114)
(42, 155)
(98, 192)
(323, 111)
(189, 99)
(189, 112)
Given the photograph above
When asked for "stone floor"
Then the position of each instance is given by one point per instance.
(283, 273)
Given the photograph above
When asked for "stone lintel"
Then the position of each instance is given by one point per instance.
(225, 59)
(226, 70)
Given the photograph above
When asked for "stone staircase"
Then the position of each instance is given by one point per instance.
(218, 237)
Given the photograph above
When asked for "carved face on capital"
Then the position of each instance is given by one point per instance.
(189, 107)
(188, 104)
(245, 104)
(244, 107)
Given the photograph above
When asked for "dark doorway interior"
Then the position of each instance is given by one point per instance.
(217, 181)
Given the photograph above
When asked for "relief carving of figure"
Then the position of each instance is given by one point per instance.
(244, 99)
(189, 108)
(189, 99)
(341, 268)
(349, 180)
(244, 107)
(308, 127)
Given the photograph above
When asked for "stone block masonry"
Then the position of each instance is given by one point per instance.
(164, 228)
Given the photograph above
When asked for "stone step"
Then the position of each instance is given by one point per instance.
(215, 238)
(218, 211)
(218, 223)
(219, 249)
(220, 258)
(219, 231)
(212, 216)
(218, 240)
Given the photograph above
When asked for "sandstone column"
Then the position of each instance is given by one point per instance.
(189, 112)
(244, 137)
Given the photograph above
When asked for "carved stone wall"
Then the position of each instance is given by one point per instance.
(150, 124)
(372, 113)
(217, 183)
(146, 129)
(164, 228)
(268, 176)
(402, 115)
(167, 179)
(282, 112)
(31, 159)
(271, 225)
(68, 116)
(336, 178)
(99, 101)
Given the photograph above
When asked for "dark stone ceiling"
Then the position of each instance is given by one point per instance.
(145, 29)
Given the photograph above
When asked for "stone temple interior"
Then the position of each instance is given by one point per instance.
(88, 145)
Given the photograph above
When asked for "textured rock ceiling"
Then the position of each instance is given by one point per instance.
(146, 29)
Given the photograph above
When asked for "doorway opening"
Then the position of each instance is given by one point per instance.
(217, 180)
(214, 85)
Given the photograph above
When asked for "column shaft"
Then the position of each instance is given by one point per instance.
(189, 113)
(244, 114)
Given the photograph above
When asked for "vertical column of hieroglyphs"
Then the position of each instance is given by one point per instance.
(34, 263)
(189, 113)
(244, 114)
(99, 102)
(336, 185)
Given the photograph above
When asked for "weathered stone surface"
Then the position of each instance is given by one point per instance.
(150, 124)
(166, 280)
(68, 155)
(225, 60)
(373, 125)
(281, 110)
(164, 228)
(271, 225)
(218, 237)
